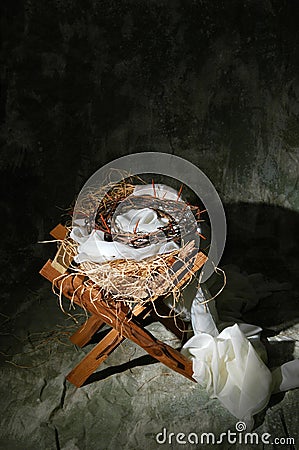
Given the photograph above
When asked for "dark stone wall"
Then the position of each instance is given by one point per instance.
(83, 82)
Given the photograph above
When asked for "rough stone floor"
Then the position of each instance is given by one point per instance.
(131, 401)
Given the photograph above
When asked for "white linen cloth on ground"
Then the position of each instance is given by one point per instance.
(231, 364)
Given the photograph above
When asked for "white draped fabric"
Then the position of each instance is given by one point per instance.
(230, 365)
(93, 247)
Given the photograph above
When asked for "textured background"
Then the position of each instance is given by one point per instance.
(83, 82)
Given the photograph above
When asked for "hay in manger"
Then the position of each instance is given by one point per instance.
(134, 242)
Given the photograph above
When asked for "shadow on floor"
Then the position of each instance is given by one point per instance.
(144, 360)
(264, 239)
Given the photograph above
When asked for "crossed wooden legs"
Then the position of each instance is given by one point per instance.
(95, 357)
(124, 325)
(111, 341)
(84, 334)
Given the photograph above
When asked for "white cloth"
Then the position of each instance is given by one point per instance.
(230, 364)
(230, 369)
(202, 319)
(94, 248)
(158, 190)
(143, 220)
(286, 376)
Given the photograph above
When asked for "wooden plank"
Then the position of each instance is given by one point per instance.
(63, 259)
(59, 232)
(84, 334)
(181, 274)
(98, 354)
(49, 272)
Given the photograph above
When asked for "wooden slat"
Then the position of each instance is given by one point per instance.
(63, 259)
(98, 354)
(182, 274)
(49, 272)
(84, 334)
(59, 232)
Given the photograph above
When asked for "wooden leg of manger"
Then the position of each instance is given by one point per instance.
(84, 334)
(94, 358)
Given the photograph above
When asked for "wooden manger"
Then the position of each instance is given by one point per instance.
(124, 322)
